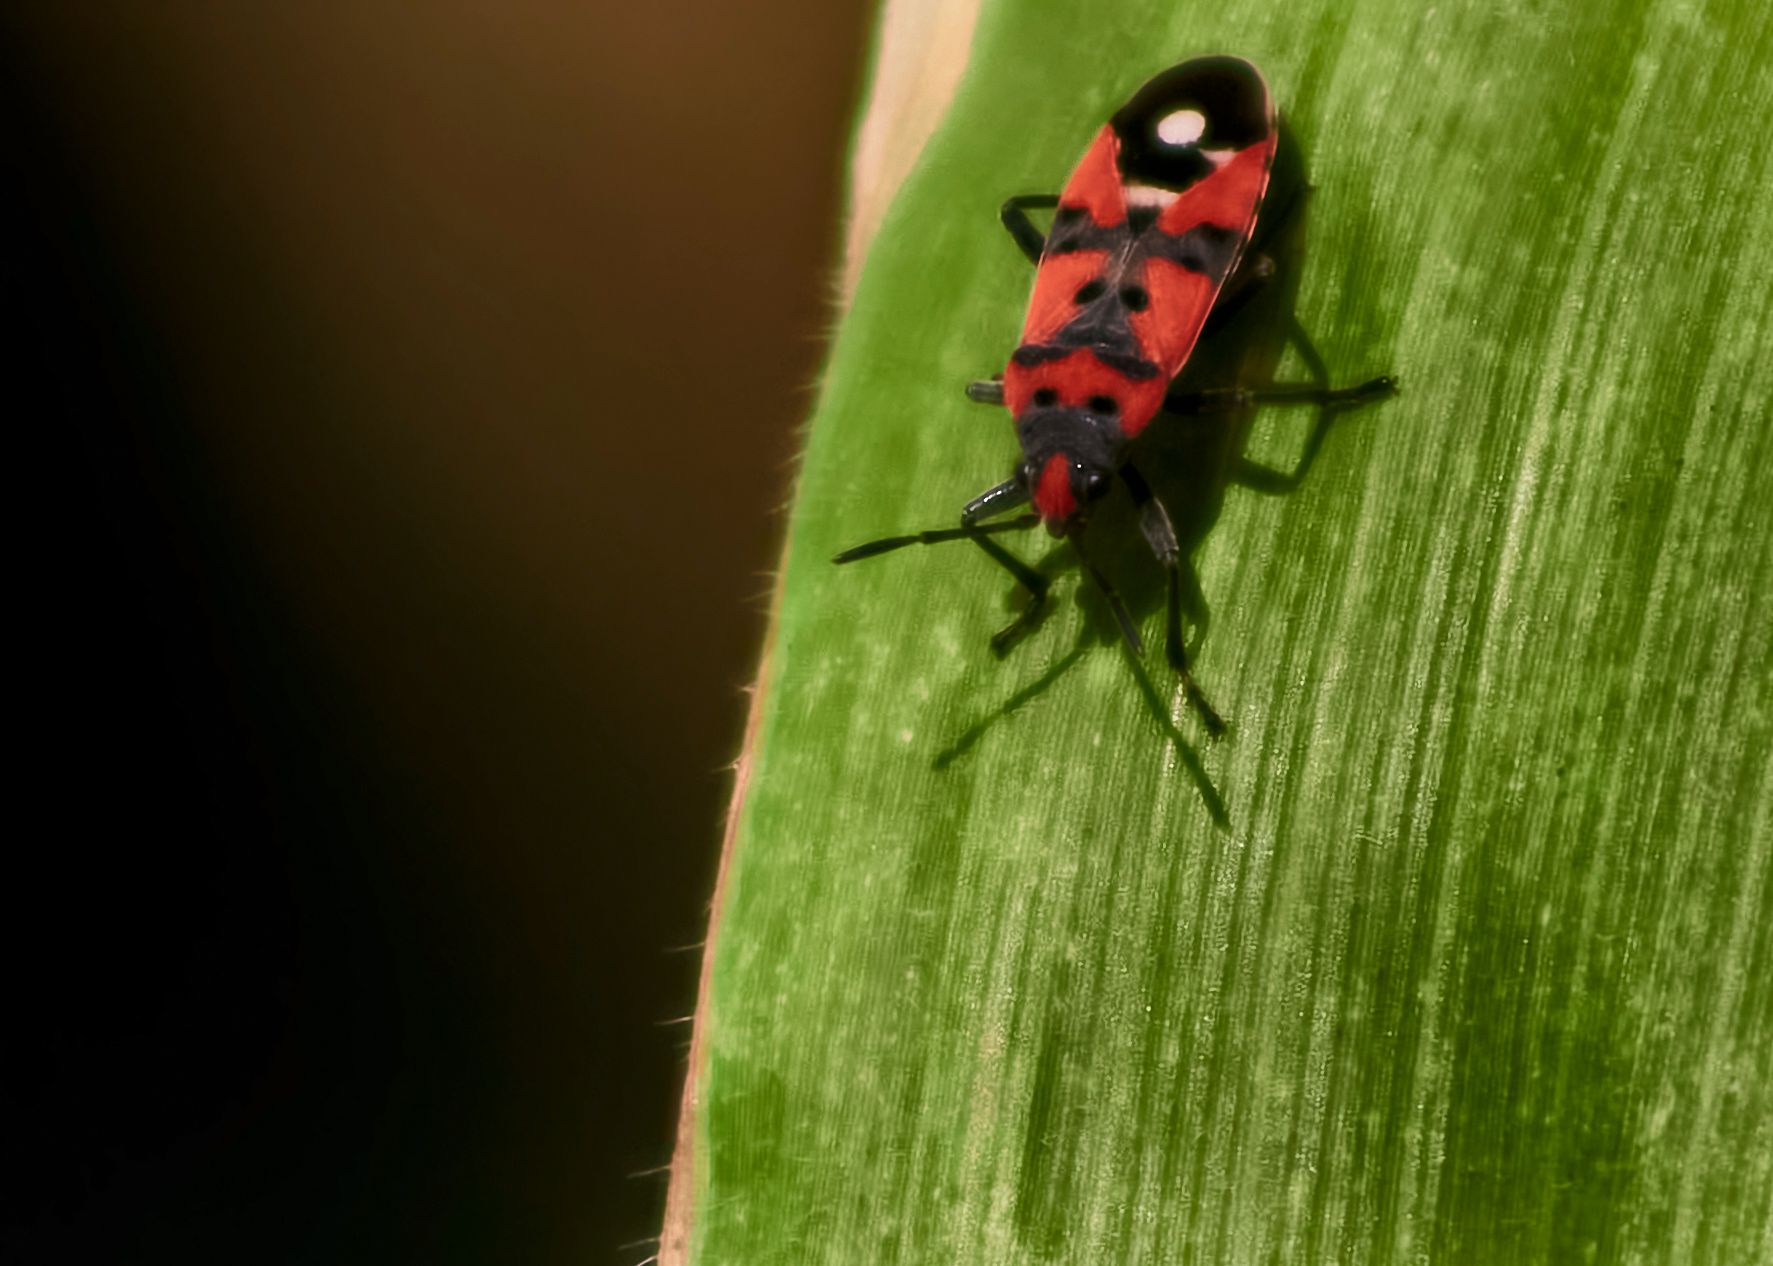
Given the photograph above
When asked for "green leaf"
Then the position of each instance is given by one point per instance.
(1459, 947)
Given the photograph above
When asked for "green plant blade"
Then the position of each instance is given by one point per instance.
(1460, 947)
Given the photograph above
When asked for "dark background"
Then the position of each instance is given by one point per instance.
(401, 402)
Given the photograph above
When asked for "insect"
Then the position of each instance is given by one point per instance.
(1151, 237)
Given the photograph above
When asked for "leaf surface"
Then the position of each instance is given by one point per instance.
(1459, 948)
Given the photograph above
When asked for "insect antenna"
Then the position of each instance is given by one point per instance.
(1108, 592)
(935, 537)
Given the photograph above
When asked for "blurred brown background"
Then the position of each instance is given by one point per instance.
(406, 394)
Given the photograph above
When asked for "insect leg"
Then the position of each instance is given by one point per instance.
(1160, 535)
(988, 504)
(1006, 496)
(993, 501)
(1015, 218)
(1260, 478)
(1251, 277)
(1231, 399)
(1111, 596)
(1330, 402)
(985, 391)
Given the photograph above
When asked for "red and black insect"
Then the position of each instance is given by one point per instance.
(1149, 240)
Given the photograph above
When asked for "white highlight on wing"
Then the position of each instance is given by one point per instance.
(1184, 127)
(1148, 196)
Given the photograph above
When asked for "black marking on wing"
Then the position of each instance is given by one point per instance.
(1072, 233)
(1132, 366)
(1106, 302)
(1208, 249)
(1141, 218)
(1228, 93)
(1101, 322)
